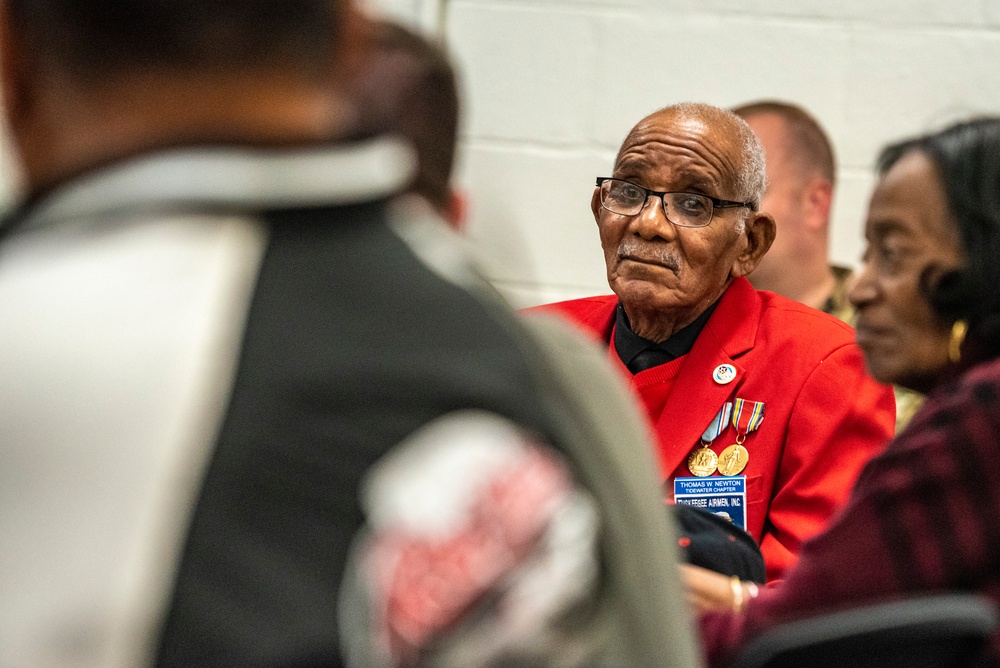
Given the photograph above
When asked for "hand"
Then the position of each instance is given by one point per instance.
(707, 590)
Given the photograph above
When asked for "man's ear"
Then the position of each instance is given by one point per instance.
(11, 67)
(759, 233)
(20, 79)
(456, 210)
(818, 198)
(595, 204)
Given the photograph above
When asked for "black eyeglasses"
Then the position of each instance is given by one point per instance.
(682, 209)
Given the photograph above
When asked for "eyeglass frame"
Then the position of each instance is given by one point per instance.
(716, 202)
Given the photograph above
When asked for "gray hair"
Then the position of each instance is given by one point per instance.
(751, 180)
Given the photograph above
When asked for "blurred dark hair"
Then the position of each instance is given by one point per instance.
(967, 158)
(807, 140)
(95, 39)
(408, 87)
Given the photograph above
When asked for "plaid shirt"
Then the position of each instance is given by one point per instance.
(924, 517)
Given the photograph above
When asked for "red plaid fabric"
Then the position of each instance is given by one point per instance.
(924, 517)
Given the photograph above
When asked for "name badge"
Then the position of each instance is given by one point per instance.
(724, 496)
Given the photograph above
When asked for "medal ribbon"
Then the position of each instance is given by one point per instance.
(719, 423)
(747, 416)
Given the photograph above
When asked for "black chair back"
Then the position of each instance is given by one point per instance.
(941, 631)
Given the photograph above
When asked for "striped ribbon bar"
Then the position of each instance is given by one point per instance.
(747, 415)
(719, 423)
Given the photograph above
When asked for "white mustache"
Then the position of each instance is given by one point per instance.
(632, 248)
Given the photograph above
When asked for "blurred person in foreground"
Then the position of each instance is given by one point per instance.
(761, 405)
(408, 88)
(224, 328)
(923, 515)
(801, 175)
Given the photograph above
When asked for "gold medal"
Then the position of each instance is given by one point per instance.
(703, 461)
(733, 460)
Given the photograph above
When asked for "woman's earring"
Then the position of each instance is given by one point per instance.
(958, 331)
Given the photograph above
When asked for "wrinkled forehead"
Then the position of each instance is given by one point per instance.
(702, 153)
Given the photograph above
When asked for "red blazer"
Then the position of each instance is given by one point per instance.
(824, 417)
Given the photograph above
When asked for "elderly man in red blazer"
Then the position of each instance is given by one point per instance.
(762, 407)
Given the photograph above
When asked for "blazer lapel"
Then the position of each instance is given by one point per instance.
(696, 397)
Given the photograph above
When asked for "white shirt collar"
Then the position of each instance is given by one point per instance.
(234, 177)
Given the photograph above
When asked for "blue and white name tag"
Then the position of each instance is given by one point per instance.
(723, 495)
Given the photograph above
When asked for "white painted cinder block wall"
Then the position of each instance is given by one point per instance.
(552, 86)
